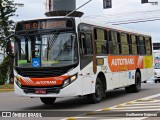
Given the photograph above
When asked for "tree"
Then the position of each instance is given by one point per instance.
(6, 25)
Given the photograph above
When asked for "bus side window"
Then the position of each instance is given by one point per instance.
(124, 44)
(134, 44)
(86, 44)
(101, 43)
(113, 43)
(148, 46)
(141, 46)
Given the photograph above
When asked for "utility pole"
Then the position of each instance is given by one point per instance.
(78, 8)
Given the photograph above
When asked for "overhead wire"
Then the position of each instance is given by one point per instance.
(137, 21)
(132, 20)
(123, 13)
(129, 18)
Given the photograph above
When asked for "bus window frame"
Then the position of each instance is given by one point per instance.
(127, 35)
(106, 38)
(150, 42)
(140, 46)
(85, 33)
(116, 42)
(136, 43)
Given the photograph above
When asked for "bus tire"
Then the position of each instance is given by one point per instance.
(47, 100)
(135, 87)
(157, 81)
(98, 95)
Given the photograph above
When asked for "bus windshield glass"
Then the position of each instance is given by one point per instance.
(46, 50)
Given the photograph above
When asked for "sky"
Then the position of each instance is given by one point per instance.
(122, 10)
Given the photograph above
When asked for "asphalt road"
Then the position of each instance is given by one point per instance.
(78, 105)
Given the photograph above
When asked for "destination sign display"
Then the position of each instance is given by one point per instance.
(44, 24)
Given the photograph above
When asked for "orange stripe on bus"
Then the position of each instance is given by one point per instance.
(51, 81)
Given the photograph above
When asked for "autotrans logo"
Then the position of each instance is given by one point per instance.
(10, 3)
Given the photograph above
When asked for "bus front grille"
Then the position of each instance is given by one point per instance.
(40, 72)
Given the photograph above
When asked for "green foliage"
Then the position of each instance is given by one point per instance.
(6, 27)
(5, 23)
(4, 68)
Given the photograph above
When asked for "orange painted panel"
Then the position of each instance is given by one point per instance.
(124, 63)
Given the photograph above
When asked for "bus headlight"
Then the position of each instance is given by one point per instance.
(66, 82)
(73, 78)
(70, 80)
(17, 81)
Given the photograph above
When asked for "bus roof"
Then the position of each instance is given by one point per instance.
(81, 20)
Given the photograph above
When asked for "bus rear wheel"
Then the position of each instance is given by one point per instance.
(135, 87)
(98, 95)
(47, 100)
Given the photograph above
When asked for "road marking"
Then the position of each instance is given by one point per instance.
(133, 107)
(142, 104)
(147, 99)
(152, 96)
(72, 118)
(139, 105)
(105, 109)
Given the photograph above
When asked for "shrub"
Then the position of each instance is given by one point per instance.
(4, 68)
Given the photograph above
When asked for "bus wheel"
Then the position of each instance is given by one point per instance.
(48, 100)
(98, 95)
(135, 87)
(157, 81)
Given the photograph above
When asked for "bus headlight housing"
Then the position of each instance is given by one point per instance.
(66, 82)
(17, 81)
(69, 80)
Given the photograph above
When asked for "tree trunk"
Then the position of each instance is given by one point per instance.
(11, 74)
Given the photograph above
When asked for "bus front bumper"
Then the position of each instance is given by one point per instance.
(72, 89)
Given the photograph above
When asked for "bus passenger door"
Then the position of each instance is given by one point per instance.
(86, 65)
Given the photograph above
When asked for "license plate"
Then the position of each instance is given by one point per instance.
(40, 91)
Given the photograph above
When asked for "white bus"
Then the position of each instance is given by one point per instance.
(62, 57)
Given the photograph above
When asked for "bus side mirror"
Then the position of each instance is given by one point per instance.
(9, 50)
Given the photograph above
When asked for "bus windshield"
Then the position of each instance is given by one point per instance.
(46, 50)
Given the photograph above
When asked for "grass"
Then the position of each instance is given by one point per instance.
(6, 87)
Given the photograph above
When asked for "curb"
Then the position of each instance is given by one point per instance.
(6, 90)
